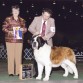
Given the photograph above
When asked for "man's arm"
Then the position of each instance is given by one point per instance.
(52, 30)
(32, 27)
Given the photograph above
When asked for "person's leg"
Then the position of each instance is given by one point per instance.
(35, 68)
(10, 55)
(18, 57)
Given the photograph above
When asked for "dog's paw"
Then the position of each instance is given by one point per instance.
(75, 77)
(45, 79)
(38, 78)
(65, 75)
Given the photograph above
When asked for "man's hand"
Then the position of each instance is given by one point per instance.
(36, 33)
(45, 38)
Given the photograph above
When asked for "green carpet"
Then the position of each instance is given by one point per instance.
(56, 74)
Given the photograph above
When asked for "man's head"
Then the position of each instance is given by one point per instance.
(46, 14)
(15, 10)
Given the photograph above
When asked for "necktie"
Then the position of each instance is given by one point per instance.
(43, 29)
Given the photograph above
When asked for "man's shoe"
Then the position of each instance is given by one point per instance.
(11, 75)
(35, 75)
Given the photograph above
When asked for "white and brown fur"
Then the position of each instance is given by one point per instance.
(49, 57)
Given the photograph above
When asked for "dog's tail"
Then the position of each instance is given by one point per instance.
(71, 56)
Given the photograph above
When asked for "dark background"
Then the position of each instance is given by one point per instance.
(68, 15)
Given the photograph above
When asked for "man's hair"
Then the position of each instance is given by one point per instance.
(15, 7)
(48, 11)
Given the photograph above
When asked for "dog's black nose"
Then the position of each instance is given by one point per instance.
(34, 44)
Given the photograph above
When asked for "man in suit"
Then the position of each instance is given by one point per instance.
(44, 25)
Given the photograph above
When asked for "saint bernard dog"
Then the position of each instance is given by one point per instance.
(48, 57)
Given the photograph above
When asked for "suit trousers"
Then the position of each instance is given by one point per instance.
(14, 54)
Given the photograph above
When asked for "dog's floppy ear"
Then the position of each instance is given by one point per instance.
(41, 42)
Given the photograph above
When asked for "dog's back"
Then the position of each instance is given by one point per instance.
(58, 54)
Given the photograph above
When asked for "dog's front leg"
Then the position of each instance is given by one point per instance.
(40, 70)
(47, 72)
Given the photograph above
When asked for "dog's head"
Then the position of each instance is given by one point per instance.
(37, 41)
